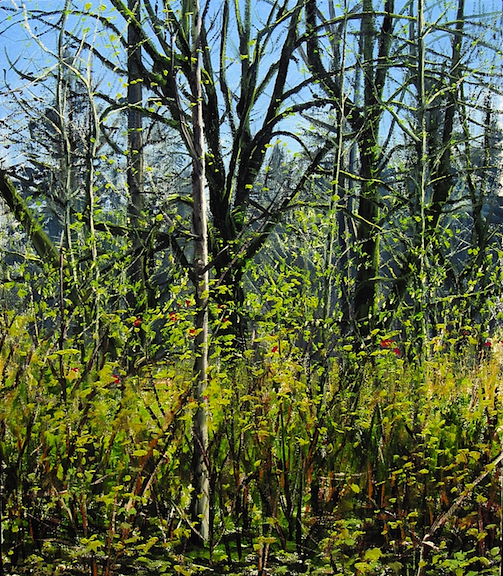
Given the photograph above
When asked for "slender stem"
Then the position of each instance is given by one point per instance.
(201, 503)
(423, 166)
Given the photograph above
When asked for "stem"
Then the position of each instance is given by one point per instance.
(201, 499)
(423, 164)
(135, 151)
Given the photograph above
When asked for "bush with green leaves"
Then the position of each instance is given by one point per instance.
(371, 464)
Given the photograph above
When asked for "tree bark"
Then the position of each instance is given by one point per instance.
(135, 155)
(201, 496)
(43, 245)
(368, 213)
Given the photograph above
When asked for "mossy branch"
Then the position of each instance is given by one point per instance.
(18, 207)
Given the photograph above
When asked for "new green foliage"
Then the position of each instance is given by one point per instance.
(349, 467)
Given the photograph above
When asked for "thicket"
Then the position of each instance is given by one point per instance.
(251, 289)
(361, 462)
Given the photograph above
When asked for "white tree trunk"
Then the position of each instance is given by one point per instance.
(201, 498)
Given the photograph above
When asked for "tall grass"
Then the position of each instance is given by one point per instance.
(374, 465)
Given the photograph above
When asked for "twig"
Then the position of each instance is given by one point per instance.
(443, 518)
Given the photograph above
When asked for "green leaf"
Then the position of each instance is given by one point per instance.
(373, 554)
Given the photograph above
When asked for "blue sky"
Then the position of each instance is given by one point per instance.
(16, 39)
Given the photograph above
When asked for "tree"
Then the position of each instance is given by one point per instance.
(201, 498)
(228, 113)
(135, 170)
(410, 104)
(365, 122)
(240, 112)
(442, 173)
(59, 142)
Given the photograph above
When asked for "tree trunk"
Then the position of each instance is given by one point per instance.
(135, 157)
(422, 173)
(201, 496)
(368, 213)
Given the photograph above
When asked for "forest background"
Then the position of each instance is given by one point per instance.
(251, 287)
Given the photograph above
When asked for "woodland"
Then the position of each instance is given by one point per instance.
(251, 287)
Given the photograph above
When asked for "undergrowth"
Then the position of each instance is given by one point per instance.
(368, 464)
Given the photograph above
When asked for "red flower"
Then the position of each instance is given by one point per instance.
(188, 302)
(192, 332)
(173, 316)
(397, 352)
(75, 369)
(388, 343)
(137, 322)
(487, 344)
(274, 349)
(116, 379)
